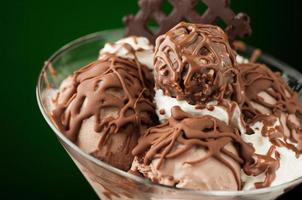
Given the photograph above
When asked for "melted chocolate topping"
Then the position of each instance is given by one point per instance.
(267, 164)
(195, 62)
(203, 132)
(256, 79)
(111, 84)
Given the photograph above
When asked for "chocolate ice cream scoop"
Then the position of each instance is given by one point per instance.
(195, 62)
(197, 152)
(105, 106)
(267, 98)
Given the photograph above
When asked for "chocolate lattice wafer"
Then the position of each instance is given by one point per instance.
(185, 10)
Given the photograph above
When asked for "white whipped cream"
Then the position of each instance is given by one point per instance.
(290, 166)
(241, 59)
(132, 47)
(166, 103)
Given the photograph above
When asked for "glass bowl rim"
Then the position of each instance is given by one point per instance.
(61, 136)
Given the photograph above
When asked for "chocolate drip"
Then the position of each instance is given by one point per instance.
(267, 164)
(256, 79)
(111, 84)
(186, 130)
(195, 62)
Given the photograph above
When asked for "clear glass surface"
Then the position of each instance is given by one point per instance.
(112, 183)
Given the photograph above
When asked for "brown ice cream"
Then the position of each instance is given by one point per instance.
(197, 152)
(195, 62)
(105, 106)
(267, 98)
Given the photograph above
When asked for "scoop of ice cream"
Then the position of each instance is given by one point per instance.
(197, 152)
(273, 113)
(195, 62)
(105, 106)
(268, 98)
(132, 47)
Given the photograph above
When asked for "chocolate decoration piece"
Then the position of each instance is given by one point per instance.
(236, 24)
(186, 130)
(266, 96)
(106, 86)
(195, 62)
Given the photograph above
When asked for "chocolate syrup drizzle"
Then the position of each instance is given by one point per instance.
(111, 83)
(255, 78)
(195, 62)
(186, 130)
(267, 164)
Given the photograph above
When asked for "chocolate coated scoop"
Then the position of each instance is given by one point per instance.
(195, 62)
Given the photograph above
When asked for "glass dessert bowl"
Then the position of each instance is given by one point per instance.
(108, 181)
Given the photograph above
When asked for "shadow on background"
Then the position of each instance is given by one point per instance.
(35, 165)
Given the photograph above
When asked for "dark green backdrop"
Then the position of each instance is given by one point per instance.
(33, 164)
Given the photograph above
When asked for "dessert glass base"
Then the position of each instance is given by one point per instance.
(112, 183)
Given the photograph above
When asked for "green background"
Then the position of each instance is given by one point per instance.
(33, 163)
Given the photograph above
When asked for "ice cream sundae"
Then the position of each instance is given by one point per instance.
(182, 108)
